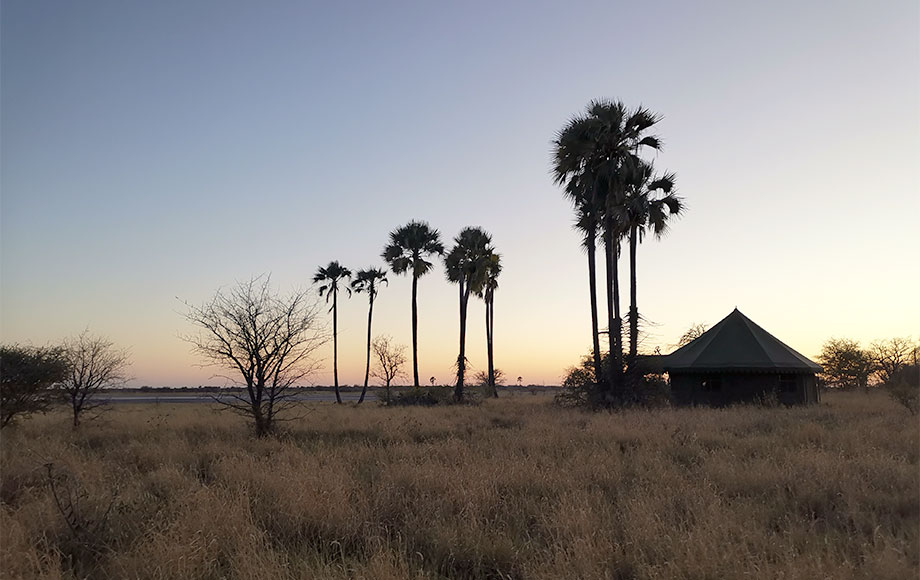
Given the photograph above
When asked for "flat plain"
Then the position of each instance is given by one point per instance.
(510, 488)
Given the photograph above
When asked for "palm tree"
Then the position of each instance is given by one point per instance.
(466, 266)
(368, 281)
(407, 250)
(588, 214)
(594, 149)
(493, 267)
(331, 276)
(651, 200)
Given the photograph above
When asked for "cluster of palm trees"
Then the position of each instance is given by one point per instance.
(471, 263)
(618, 198)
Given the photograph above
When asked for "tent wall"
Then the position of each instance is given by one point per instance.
(719, 389)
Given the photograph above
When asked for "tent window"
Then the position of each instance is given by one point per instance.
(787, 383)
(711, 384)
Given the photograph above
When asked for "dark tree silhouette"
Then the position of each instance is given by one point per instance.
(368, 281)
(594, 149)
(466, 267)
(572, 147)
(498, 378)
(589, 212)
(486, 291)
(695, 331)
(267, 339)
(408, 250)
(330, 277)
(892, 355)
(650, 201)
(27, 375)
(94, 364)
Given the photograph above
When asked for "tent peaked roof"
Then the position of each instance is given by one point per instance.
(737, 344)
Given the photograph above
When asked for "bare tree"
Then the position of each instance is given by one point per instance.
(265, 339)
(891, 356)
(695, 331)
(94, 363)
(390, 359)
(498, 380)
(26, 377)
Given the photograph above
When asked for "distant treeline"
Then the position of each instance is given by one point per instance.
(212, 389)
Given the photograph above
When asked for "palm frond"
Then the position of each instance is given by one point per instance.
(409, 245)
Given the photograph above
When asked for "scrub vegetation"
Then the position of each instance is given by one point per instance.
(512, 488)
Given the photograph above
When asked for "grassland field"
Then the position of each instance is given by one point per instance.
(511, 488)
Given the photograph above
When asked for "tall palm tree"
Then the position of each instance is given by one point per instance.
(493, 267)
(466, 266)
(650, 202)
(331, 276)
(595, 148)
(408, 249)
(369, 281)
(588, 216)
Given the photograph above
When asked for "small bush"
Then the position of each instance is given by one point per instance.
(422, 397)
(906, 394)
(769, 399)
(655, 391)
(581, 390)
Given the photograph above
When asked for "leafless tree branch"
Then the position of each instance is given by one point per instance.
(94, 364)
(267, 339)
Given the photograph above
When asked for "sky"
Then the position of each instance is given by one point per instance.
(154, 152)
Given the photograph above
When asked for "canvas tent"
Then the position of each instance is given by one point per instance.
(737, 361)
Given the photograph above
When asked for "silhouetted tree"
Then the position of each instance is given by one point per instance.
(486, 291)
(891, 356)
(483, 380)
(390, 359)
(94, 364)
(695, 331)
(589, 211)
(845, 364)
(649, 203)
(408, 250)
(368, 281)
(27, 375)
(268, 340)
(594, 149)
(330, 277)
(466, 266)
(580, 384)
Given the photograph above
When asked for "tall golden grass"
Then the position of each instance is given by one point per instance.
(514, 488)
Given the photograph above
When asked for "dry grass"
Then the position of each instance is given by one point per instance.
(514, 488)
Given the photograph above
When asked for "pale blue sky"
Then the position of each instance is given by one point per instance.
(160, 149)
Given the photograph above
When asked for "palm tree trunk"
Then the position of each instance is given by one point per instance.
(617, 319)
(592, 281)
(633, 307)
(461, 360)
(335, 348)
(614, 324)
(490, 329)
(414, 329)
(367, 367)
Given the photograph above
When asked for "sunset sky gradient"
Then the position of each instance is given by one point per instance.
(153, 152)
